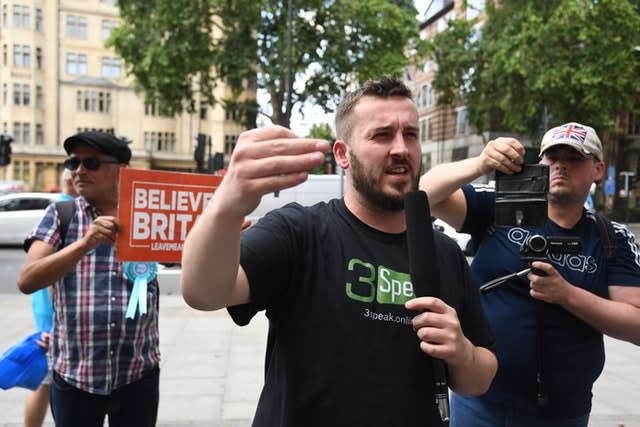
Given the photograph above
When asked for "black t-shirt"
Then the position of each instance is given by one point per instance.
(341, 350)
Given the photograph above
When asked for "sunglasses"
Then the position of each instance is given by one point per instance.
(89, 163)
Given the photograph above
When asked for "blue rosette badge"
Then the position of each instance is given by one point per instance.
(140, 273)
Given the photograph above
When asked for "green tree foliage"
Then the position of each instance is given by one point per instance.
(323, 131)
(535, 64)
(174, 48)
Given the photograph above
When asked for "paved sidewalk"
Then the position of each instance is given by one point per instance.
(211, 371)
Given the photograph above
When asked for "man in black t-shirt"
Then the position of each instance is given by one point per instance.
(349, 343)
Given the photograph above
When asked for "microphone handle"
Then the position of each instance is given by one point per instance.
(425, 275)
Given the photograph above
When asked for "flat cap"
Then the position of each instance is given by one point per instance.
(102, 142)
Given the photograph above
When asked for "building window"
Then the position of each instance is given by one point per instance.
(107, 26)
(17, 94)
(26, 94)
(160, 142)
(204, 107)
(38, 58)
(26, 17)
(5, 94)
(21, 56)
(5, 54)
(39, 96)
(17, 15)
(462, 122)
(229, 143)
(39, 135)
(21, 16)
(232, 114)
(16, 132)
(4, 15)
(425, 129)
(153, 109)
(77, 27)
(26, 133)
(21, 133)
(425, 96)
(76, 63)
(93, 102)
(111, 67)
(38, 19)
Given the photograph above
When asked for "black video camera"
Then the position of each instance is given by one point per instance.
(538, 247)
(521, 201)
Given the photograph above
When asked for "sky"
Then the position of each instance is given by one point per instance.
(314, 114)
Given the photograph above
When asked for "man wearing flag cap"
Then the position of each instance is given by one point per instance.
(582, 296)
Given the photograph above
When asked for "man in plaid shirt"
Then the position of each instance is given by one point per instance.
(104, 363)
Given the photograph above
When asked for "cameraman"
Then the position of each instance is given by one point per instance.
(582, 296)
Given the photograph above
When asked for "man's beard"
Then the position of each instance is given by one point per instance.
(369, 187)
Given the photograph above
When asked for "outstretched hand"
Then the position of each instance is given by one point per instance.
(267, 160)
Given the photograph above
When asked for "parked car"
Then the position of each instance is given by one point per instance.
(462, 239)
(20, 213)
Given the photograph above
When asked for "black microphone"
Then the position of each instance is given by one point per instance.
(425, 276)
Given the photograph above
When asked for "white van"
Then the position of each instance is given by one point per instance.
(317, 188)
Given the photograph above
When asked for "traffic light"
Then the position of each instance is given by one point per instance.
(5, 149)
(216, 162)
(199, 152)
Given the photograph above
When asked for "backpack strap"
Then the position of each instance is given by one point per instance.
(607, 236)
(66, 209)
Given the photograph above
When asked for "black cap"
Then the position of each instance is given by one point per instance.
(102, 142)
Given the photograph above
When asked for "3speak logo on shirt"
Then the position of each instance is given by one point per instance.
(381, 284)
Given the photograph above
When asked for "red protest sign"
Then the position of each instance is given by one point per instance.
(157, 209)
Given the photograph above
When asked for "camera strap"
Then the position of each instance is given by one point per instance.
(65, 209)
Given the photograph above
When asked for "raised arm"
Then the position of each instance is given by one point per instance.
(443, 182)
(264, 160)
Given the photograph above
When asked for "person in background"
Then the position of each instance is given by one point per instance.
(66, 185)
(37, 403)
(548, 362)
(104, 363)
(348, 340)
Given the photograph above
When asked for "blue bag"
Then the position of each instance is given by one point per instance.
(24, 364)
(42, 309)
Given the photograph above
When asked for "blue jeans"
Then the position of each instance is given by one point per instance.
(473, 412)
(135, 404)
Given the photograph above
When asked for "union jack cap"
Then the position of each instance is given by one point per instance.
(580, 137)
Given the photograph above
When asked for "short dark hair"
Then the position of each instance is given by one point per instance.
(384, 88)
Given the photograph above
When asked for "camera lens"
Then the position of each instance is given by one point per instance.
(537, 243)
